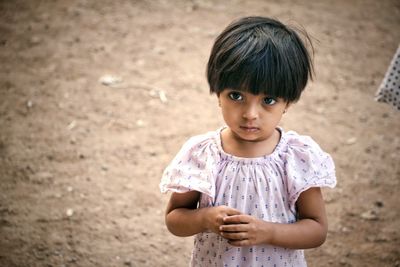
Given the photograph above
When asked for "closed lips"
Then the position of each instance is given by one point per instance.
(249, 128)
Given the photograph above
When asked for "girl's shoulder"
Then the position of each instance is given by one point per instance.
(306, 165)
(194, 167)
(295, 142)
(203, 141)
(301, 152)
(201, 147)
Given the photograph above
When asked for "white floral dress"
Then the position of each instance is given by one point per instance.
(265, 187)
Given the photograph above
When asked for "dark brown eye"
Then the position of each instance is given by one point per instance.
(236, 96)
(269, 101)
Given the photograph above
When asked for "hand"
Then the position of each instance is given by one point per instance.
(245, 230)
(214, 217)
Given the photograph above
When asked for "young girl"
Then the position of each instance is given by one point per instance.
(250, 191)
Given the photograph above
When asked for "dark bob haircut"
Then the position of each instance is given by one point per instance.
(261, 56)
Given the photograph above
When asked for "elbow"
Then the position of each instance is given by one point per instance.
(320, 237)
(321, 240)
(174, 230)
(170, 225)
(173, 226)
(316, 235)
(316, 240)
(177, 233)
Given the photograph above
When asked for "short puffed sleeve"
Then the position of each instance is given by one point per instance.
(193, 168)
(307, 165)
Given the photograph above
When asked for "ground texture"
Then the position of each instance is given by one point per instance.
(81, 153)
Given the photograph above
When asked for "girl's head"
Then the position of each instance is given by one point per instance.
(261, 56)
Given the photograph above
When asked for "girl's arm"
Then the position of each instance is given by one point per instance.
(181, 209)
(183, 218)
(308, 232)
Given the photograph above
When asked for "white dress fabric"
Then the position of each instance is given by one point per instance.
(265, 187)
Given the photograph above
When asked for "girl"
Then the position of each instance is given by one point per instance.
(250, 191)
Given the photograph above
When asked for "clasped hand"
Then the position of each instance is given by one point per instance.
(239, 229)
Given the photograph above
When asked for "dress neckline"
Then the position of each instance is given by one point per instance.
(252, 160)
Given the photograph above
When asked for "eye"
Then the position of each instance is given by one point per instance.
(269, 101)
(236, 96)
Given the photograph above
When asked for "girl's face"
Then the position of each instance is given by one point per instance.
(251, 117)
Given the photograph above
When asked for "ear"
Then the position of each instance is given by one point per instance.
(287, 107)
(219, 101)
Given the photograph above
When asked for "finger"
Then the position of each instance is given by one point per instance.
(234, 236)
(232, 211)
(236, 219)
(233, 228)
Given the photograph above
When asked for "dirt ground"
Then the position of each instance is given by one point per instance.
(81, 153)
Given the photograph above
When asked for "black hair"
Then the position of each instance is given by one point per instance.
(260, 55)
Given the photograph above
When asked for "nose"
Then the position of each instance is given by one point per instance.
(250, 111)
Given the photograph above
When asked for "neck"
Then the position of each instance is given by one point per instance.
(234, 145)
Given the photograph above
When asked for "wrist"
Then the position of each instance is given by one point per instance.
(269, 232)
(204, 218)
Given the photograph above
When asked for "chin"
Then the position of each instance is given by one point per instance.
(249, 137)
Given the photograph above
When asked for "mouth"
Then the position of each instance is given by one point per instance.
(249, 129)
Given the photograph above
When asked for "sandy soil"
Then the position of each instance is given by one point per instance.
(80, 161)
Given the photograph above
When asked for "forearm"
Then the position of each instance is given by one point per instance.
(310, 230)
(183, 218)
(306, 233)
(186, 222)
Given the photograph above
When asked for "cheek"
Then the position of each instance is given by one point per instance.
(277, 118)
(229, 114)
(272, 117)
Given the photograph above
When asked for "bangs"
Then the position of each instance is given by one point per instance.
(263, 73)
(260, 61)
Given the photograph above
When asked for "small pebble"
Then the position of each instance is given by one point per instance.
(110, 80)
(351, 141)
(70, 212)
(139, 123)
(163, 96)
(29, 104)
(370, 215)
